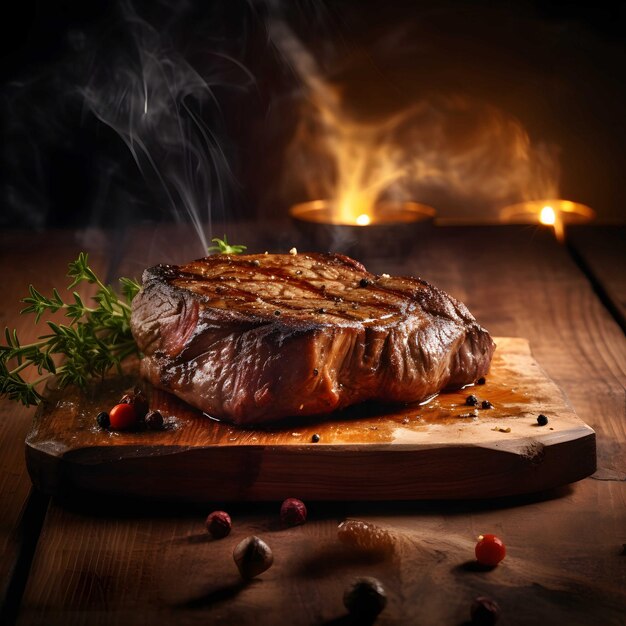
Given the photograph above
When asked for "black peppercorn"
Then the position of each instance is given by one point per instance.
(277, 313)
(484, 611)
(365, 598)
(137, 399)
(315, 371)
(315, 438)
(322, 310)
(481, 381)
(486, 404)
(154, 420)
(103, 420)
(365, 282)
(542, 420)
(471, 400)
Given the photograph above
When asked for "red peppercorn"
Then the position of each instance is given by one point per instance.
(293, 512)
(122, 417)
(490, 550)
(218, 524)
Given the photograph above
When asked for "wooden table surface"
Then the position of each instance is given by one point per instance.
(81, 561)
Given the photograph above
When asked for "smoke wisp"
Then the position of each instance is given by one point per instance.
(464, 156)
(168, 115)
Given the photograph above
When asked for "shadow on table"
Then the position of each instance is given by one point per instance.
(115, 507)
(217, 595)
(349, 620)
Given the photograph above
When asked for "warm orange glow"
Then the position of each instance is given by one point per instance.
(384, 214)
(452, 148)
(364, 158)
(553, 213)
(355, 149)
(547, 216)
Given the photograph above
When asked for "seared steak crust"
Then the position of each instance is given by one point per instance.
(255, 338)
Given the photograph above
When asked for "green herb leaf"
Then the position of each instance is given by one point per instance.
(223, 247)
(97, 338)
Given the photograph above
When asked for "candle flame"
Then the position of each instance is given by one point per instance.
(363, 219)
(549, 212)
(547, 216)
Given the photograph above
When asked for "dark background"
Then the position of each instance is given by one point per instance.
(557, 66)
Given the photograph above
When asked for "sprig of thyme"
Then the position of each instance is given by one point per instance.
(223, 247)
(96, 339)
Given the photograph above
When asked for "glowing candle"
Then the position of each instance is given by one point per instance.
(552, 213)
(389, 229)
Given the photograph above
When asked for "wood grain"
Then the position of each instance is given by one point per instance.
(24, 260)
(520, 282)
(601, 250)
(444, 449)
(102, 563)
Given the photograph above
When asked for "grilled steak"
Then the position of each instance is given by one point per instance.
(254, 338)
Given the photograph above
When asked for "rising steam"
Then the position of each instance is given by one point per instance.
(167, 114)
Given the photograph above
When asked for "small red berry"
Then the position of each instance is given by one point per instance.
(293, 512)
(218, 524)
(122, 417)
(490, 550)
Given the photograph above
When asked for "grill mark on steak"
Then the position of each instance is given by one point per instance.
(327, 297)
(210, 336)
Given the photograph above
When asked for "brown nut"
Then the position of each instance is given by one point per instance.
(484, 611)
(365, 597)
(292, 512)
(252, 556)
(218, 524)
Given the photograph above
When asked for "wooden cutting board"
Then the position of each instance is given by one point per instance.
(442, 450)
